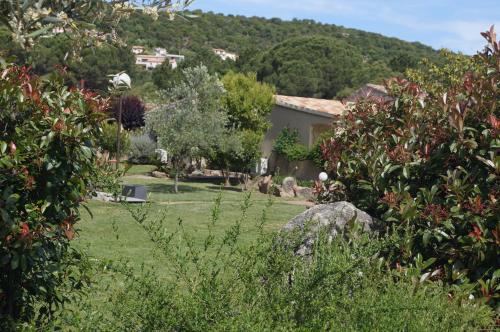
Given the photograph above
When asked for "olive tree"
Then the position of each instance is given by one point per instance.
(29, 20)
(190, 122)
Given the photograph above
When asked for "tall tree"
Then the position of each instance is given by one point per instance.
(311, 67)
(247, 103)
(190, 121)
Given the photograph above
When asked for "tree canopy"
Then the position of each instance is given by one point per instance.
(247, 104)
(190, 121)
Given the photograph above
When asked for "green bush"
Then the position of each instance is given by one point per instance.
(142, 148)
(427, 165)
(107, 140)
(47, 163)
(262, 286)
(287, 145)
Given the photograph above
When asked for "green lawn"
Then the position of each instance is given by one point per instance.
(112, 234)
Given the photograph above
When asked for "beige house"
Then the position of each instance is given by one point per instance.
(310, 117)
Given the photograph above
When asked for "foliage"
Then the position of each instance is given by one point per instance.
(310, 67)
(249, 37)
(107, 140)
(222, 285)
(247, 104)
(165, 77)
(132, 112)
(427, 165)
(142, 148)
(47, 164)
(189, 122)
(96, 64)
(287, 145)
(436, 79)
(33, 19)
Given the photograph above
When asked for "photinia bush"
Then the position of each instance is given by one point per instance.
(427, 165)
(47, 162)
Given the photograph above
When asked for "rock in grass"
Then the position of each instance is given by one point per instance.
(334, 218)
(288, 186)
(159, 175)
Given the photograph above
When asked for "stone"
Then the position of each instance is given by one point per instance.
(281, 192)
(265, 184)
(289, 183)
(160, 175)
(304, 193)
(333, 217)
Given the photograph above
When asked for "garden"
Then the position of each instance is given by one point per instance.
(402, 232)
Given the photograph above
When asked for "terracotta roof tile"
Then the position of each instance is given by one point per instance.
(314, 105)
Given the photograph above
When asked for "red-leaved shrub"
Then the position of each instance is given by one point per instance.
(427, 165)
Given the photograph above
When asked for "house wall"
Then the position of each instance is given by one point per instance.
(308, 125)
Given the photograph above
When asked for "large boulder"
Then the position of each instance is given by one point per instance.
(333, 217)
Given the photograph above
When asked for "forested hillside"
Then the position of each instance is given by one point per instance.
(300, 57)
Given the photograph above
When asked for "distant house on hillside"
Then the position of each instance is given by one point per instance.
(225, 55)
(310, 117)
(152, 61)
(370, 91)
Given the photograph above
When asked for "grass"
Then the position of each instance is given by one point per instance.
(141, 169)
(111, 234)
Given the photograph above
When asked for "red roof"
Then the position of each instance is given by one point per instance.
(325, 107)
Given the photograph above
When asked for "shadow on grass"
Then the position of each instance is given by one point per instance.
(169, 188)
(221, 187)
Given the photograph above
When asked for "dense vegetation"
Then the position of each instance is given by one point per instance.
(47, 165)
(427, 165)
(300, 57)
(225, 281)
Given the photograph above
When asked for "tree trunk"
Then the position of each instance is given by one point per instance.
(226, 178)
(176, 180)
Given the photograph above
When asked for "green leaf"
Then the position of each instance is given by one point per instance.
(14, 263)
(3, 147)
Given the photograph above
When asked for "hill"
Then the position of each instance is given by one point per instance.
(301, 57)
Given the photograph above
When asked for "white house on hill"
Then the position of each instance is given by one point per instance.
(161, 55)
(225, 55)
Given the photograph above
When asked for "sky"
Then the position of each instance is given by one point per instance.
(452, 24)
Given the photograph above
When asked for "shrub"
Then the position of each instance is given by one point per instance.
(132, 112)
(222, 284)
(142, 148)
(287, 145)
(427, 165)
(46, 166)
(107, 140)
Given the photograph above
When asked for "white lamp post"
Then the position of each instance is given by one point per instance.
(120, 82)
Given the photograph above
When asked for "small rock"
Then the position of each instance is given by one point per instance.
(334, 217)
(160, 175)
(265, 184)
(304, 193)
(280, 192)
(289, 183)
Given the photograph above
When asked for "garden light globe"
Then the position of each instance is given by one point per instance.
(323, 176)
(121, 80)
